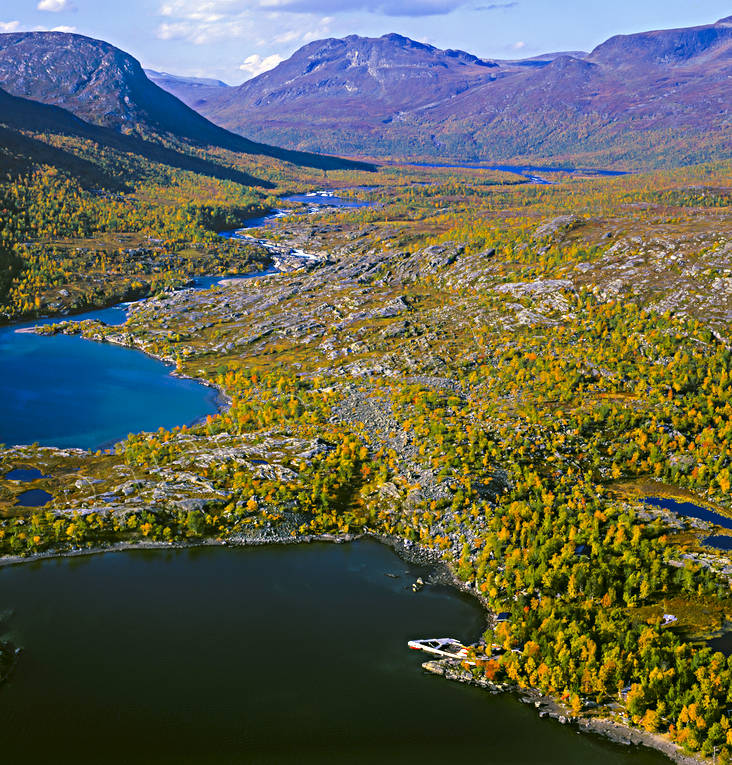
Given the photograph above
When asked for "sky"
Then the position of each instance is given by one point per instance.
(234, 40)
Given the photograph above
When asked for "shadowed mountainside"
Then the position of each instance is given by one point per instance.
(21, 120)
(106, 87)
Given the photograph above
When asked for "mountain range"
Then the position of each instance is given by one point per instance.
(656, 97)
(101, 93)
(641, 100)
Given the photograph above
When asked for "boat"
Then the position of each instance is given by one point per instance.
(448, 648)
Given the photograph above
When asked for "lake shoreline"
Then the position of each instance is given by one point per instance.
(548, 706)
(411, 552)
(443, 575)
(408, 551)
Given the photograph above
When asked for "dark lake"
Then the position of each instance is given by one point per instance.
(33, 498)
(288, 654)
(23, 474)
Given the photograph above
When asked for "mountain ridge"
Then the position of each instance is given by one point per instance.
(106, 87)
(651, 98)
(20, 118)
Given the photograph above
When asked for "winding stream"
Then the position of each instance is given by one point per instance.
(260, 655)
(64, 391)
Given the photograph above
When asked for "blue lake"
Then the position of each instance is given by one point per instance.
(23, 474)
(33, 498)
(690, 510)
(65, 391)
(719, 541)
(68, 392)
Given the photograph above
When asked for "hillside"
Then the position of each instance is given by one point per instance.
(636, 100)
(34, 134)
(106, 87)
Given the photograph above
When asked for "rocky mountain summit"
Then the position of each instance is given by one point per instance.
(642, 99)
(107, 87)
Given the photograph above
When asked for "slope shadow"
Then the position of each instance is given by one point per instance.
(22, 114)
(19, 153)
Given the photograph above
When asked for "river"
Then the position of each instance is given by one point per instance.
(261, 655)
(530, 172)
(65, 391)
(690, 510)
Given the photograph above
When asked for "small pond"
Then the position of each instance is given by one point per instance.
(690, 510)
(33, 498)
(23, 474)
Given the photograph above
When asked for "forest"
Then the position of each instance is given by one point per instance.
(492, 370)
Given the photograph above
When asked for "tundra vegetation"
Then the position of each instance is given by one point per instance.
(488, 369)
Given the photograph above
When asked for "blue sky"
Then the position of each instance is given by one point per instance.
(235, 39)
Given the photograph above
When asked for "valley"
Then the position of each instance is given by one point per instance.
(448, 376)
(516, 374)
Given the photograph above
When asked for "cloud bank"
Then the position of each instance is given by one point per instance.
(54, 6)
(380, 7)
(255, 64)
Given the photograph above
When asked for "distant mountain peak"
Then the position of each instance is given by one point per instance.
(207, 82)
(647, 95)
(663, 47)
(107, 87)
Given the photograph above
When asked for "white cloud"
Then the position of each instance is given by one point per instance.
(206, 22)
(300, 36)
(207, 12)
(54, 6)
(255, 64)
(288, 37)
(496, 6)
(222, 20)
(379, 7)
(14, 26)
(203, 33)
(221, 10)
(520, 45)
(172, 31)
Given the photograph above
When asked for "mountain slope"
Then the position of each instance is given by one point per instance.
(636, 100)
(359, 83)
(104, 86)
(21, 120)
